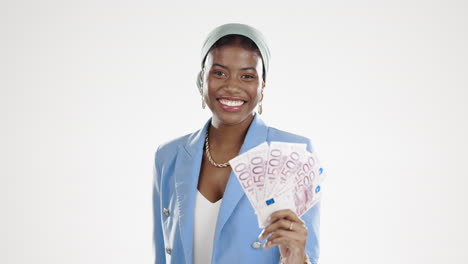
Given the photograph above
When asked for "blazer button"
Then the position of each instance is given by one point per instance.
(256, 244)
(166, 212)
(168, 251)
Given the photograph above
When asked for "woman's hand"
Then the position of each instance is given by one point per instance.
(288, 232)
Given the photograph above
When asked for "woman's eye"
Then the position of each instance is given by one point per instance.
(219, 73)
(248, 76)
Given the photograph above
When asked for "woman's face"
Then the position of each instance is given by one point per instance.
(232, 84)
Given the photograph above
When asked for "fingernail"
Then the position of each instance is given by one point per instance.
(268, 219)
(260, 237)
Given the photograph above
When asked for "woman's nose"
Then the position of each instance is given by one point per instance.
(232, 83)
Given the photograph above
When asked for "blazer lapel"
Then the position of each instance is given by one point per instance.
(187, 171)
(256, 134)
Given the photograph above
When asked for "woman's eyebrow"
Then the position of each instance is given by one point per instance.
(249, 68)
(219, 65)
(242, 69)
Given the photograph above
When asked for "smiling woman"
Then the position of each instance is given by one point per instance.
(230, 80)
(201, 213)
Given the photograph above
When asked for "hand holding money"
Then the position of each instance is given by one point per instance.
(279, 176)
(289, 232)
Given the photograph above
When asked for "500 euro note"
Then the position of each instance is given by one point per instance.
(307, 182)
(301, 192)
(250, 168)
(279, 176)
(284, 159)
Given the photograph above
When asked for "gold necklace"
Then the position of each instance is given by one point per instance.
(208, 154)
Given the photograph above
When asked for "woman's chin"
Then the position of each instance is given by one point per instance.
(231, 119)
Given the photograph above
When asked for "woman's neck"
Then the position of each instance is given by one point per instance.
(228, 136)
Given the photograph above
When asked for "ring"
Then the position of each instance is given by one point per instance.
(291, 226)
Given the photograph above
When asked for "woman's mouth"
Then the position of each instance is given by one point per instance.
(231, 105)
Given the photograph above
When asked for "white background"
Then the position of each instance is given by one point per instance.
(89, 89)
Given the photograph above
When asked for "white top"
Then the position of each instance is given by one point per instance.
(205, 217)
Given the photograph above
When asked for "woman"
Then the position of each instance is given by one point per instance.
(201, 213)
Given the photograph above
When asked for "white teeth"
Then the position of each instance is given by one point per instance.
(231, 103)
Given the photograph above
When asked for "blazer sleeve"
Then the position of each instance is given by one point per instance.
(312, 220)
(158, 239)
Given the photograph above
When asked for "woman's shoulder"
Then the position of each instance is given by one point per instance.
(173, 144)
(170, 147)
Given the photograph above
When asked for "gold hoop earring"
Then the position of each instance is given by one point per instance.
(260, 107)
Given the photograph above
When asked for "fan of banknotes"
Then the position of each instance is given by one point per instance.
(279, 176)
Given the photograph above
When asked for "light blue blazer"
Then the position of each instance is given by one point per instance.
(176, 171)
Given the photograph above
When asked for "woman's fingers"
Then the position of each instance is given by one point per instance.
(284, 220)
(286, 238)
(286, 234)
(287, 213)
(287, 231)
(279, 224)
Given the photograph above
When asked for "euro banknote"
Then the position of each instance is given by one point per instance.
(279, 175)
